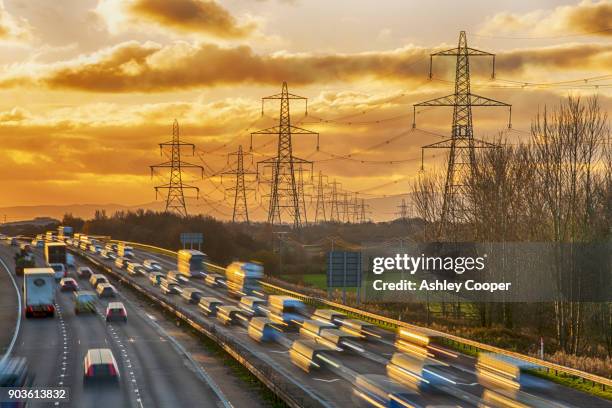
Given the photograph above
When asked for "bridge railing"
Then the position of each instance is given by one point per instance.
(395, 324)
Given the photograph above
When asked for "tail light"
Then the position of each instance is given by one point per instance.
(89, 371)
(50, 308)
(111, 370)
(29, 309)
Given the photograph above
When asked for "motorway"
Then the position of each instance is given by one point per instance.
(153, 373)
(337, 390)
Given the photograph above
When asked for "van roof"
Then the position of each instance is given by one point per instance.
(100, 356)
(38, 271)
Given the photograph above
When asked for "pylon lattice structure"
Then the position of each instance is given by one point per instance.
(320, 213)
(334, 202)
(239, 190)
(462, 143)
(284, 190)
(363, 212)
(175, 199)
(403, 210)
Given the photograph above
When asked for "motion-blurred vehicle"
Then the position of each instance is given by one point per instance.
(152, 265)
(209, 305)
(253, 305)
(243, 278)
(168, 288)
(115, 311)
(105, 254)
(38, 243)
(25, 247)
(100, 365)
(55, 256)
(125, 251)
(134, 268)
(70, 264)
(97, 279)
(191, 262)
(84, 302)
(39, 292)
(68, 285)
(59, 269)
(23, 259)
(14, 373)
(84, 272)
(106, 290)
(286, 311)
(94, 249)
(155, 278)
(214, 280)
(192, 295)
(14, 242)
(83, 246)
(121, 262)
(112, 255)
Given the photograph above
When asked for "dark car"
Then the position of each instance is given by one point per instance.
(68, 285)
(84, 272)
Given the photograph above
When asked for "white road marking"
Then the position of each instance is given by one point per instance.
(327, 381)
(9, 349)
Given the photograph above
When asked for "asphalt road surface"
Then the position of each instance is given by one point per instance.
(153, 372)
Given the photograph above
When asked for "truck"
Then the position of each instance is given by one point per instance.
(64, 231)
(191, 262)
(243, 278)
(55, 256)
(125, 251)
(23, 259)
(39, 292)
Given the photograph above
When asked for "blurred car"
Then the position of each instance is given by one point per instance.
(38, 243)
(97, 279)
(155, 278)
(105, 290)
(14, 373)
(84, 302)
(105, 254)
(152, 265)
(100, 365)
(121, 262)
(83, 246)
(68, 285)
(169, 288)
(14, 242)
(112, 255)
(134, 268)
(116, 311)
(192, 295)
(84, 272)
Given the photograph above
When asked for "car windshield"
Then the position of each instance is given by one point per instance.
(57, 268)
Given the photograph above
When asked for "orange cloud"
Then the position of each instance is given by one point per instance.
(205, 17)
(149, 67)
(586, 17)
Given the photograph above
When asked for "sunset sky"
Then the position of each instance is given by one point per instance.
(88, 88)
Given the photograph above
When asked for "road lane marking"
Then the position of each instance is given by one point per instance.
(9, 350)
(327, 381)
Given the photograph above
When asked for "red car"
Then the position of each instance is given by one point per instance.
(68, 285)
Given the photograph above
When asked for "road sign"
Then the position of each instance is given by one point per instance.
(192, 238)
(344, 269)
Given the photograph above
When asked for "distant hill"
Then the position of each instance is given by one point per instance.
(381, 209)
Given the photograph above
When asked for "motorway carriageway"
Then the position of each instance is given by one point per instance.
(338, 391)
(153, 373)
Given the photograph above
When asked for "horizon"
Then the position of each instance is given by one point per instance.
(89, 94)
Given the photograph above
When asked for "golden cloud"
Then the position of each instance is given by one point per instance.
(150, 67)
(586, 17)
(13, 29)
(204, 17)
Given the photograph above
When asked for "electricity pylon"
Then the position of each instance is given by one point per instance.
(175, 200)
(320, 205)
(363, 210)
(334, 203)
(241, 211)
(403, 210)
(284, 193)
(461, 159)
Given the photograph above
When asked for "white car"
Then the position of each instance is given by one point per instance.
(152, 265)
